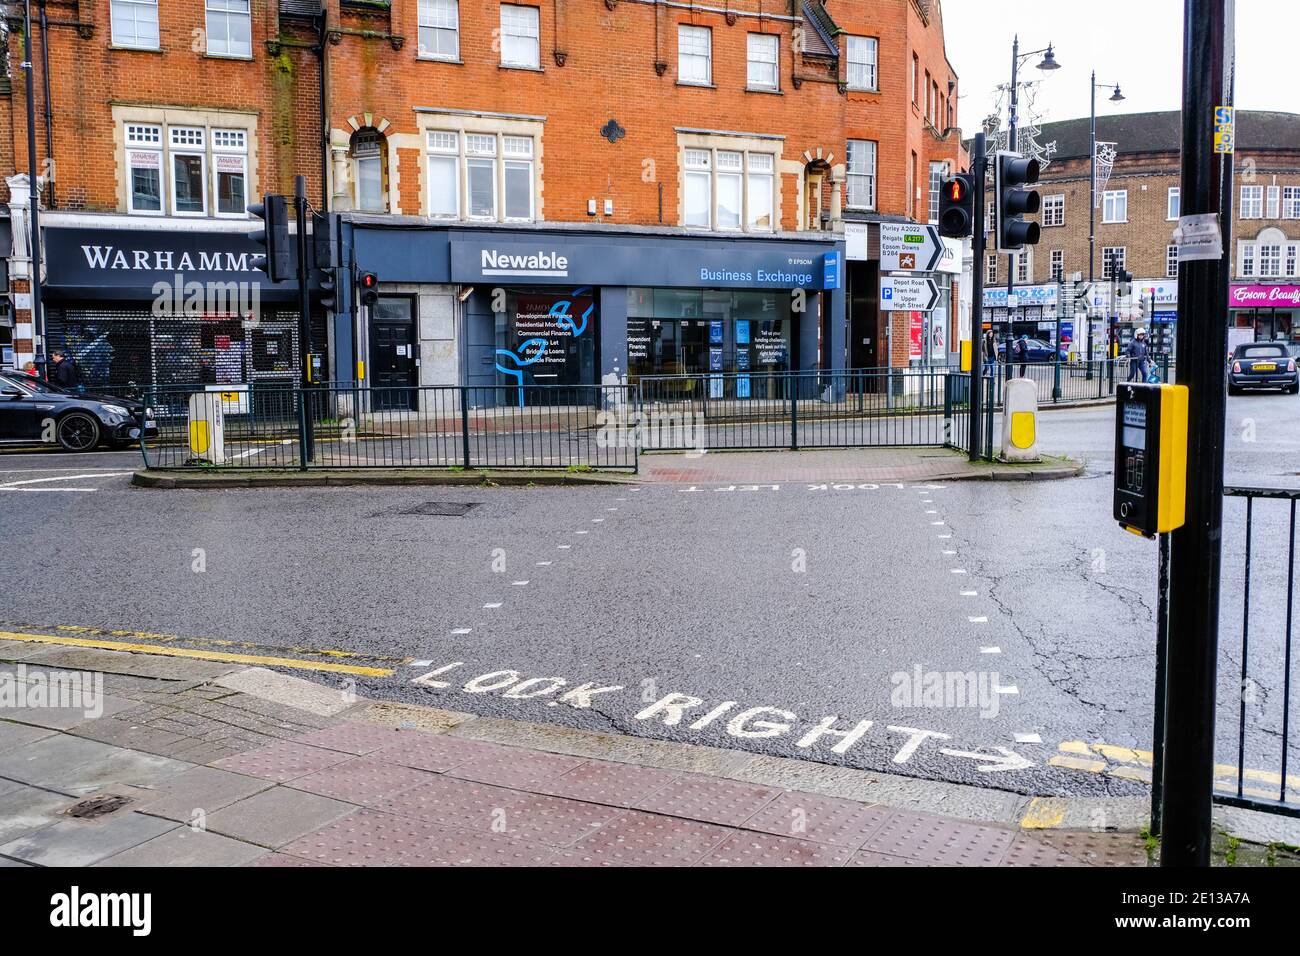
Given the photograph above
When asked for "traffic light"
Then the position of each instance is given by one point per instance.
(1011, 172)
(369, 283)
(956, 205)
(324, 255)
(273, 237)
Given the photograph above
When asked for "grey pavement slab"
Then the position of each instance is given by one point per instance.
(52, 761)
(64, 718)
(139, 665)
(15, 735)
(186, 847)
(27, 809)
(83, 842)
(19, 650)
(285, 689)
(277, 816)
(282, 761)
(200, 788)
(6, 861)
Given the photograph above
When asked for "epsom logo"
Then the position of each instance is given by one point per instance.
(497, 263)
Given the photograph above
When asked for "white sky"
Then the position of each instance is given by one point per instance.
(1136, 43)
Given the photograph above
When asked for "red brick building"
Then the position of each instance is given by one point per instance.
(724, 137)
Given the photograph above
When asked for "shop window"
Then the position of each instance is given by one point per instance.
(728, 189)
(188, 159)
(490, 176)
(862, 63)
(175, 161)
(520, 37)
(1114, 205)
(694, 55)
(135, 23)
(1054, 210)
(369, 155)
(1291, 202)
(229, 28)
(144, 156)
(1247, 259)
(565, 323)
(1173, 203)
(729, 339)
(230, 171)
(860, 174)
(1112, 259)
(761, 61)
(1252, 202)
(439, 26)
(1270, 260)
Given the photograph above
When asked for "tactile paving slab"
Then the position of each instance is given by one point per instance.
(765, 849)
(455, 847)
(365, 838)
(437, 753)
(281, 761)
(697, 797)
(520, 770)
(647, 839)
(611, 784)
(930, 839)
(806, 816)
(450, 802)
(555, 821)
(362, 780)
(1076, 848)
(354, 738)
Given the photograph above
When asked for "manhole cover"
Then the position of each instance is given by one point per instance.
(97, 806)
(446, 509)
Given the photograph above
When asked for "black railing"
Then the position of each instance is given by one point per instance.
(344, 426)
(814, 409)
(1256, 691)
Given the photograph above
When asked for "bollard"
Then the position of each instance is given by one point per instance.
(1020, 420)
(207, 435)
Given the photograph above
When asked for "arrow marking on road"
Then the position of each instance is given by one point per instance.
(993, 763)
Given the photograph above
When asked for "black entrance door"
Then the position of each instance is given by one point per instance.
(392, 354)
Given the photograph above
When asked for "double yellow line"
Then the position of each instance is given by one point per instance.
(161, 650)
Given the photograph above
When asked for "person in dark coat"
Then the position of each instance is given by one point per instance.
(1139, 364)
(63, 370)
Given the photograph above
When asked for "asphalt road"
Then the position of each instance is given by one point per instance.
(961, 632)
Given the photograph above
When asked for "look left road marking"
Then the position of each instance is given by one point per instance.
(199, 655)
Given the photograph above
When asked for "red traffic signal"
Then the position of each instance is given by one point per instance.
(956, 206)
(369, 284)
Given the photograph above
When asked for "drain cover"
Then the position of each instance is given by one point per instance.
(446, 509)
(97, 806)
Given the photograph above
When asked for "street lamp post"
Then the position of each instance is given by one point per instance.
(33, 181)
(1048, 63)
(1115, 97)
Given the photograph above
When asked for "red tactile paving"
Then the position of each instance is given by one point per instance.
(937, 840)
(696, 797)
(765, 849)
(450, 802)
(517, 768)
(362, 780)
(868, 858)
(284, 859)
(281, 761)
(647, 839)
(806, 816)
(613, 784)
(364, 838)
(452, 847)
(437, 752)
(354, 738)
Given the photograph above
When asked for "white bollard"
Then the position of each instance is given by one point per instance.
(1020, 420)
(207, 434)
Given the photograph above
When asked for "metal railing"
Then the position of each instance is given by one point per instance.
(447, 426)
(1257, 690)
(795, 410)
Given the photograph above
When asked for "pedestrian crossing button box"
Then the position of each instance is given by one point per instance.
(1150, 458)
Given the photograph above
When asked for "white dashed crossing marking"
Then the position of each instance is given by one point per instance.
(1028, 739)
(990, 650)
(461, 630)
(978, 620)
(488, 607)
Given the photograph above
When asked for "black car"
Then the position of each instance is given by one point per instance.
(1262, 365)
(34, 411)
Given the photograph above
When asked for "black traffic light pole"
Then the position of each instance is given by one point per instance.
(979, 171)
(1206, 189)
(307, 439)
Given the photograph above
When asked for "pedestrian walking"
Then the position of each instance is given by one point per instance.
(990, 348)
(1022, 353)
(64, 372)
(1139, 363)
